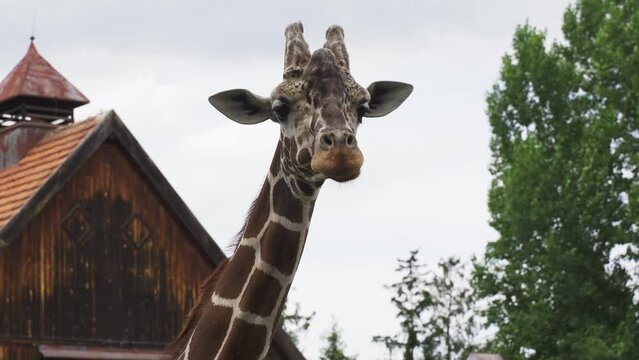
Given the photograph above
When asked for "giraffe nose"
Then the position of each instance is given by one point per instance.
(337, 140)
(337, 155)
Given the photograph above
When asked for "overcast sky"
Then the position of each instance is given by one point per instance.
(425, 178)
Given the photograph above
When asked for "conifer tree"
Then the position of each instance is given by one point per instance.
(334, 348)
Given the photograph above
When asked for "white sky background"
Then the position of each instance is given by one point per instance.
(425, 178)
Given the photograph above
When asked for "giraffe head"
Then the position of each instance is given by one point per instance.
(319, 107)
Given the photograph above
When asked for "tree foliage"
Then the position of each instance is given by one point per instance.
(293, 322)
(565, 190)
(451, 325)
(435, 310)
(411, 298)
(335, 348)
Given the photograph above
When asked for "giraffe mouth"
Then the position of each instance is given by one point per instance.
(340, 165)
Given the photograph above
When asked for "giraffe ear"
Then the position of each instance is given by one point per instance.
(242, 106)
(386, 96)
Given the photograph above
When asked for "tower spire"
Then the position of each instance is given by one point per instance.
(33, 25)
(35, 91)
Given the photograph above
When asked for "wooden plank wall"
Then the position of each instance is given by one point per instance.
(101, 287)
(18, 352)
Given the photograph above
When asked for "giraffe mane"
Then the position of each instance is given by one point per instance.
(235, 242)
(206, 290)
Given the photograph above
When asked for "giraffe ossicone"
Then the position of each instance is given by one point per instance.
(318, 107)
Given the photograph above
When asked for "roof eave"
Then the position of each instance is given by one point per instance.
(14, 226)
(17, 97)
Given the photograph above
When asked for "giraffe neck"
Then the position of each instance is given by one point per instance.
(247, 300)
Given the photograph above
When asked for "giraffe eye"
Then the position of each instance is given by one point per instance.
(280, 110)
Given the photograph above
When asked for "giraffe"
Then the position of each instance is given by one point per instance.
(318, 107)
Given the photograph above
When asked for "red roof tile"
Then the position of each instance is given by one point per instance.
(34, 76)
(18, 183)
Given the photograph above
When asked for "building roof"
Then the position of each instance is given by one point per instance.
(18, 183)
(26, 187)
(35, 77)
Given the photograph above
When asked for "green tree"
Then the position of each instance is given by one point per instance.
(294, 323)
(410, 299)
(451, 326)
(335, 348)
(435, 309)
(565, 189)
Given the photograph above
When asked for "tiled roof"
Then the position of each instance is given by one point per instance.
(34, 76)
(18, 183)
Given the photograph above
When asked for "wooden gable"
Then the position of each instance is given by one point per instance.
(105, 259)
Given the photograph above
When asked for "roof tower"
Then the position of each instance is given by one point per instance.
(35, 91)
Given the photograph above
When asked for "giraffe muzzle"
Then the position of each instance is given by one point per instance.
(337, 156)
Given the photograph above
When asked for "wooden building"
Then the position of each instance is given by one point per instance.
(99, 256)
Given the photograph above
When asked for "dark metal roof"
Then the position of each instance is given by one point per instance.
(35, 77)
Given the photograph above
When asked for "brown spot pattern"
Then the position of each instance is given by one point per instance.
(245, 342)
(279, 247)
(261, 294)
(307, 189)
(304, 157)
(285, 204)
(236, 273)
(210, 332)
